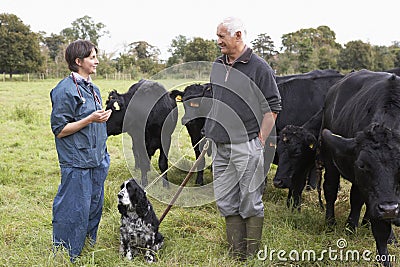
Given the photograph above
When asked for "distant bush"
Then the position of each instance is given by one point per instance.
(25, 113)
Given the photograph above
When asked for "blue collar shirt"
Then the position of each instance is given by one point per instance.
(72, 102)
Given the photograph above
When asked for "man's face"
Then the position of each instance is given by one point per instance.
(226, 42)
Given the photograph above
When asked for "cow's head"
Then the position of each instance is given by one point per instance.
(376, 160)
(116, 103)
(196, 101)
(296, 152)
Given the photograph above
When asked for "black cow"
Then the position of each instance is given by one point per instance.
(394, 70)
(196, 109)
(148, 113)
(308, 75)
(360, 140)
(297, 153)
(297, 146)
(302, 97)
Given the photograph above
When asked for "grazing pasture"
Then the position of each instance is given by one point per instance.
(194, 236)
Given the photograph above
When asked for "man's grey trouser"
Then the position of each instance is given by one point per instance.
(239, 179)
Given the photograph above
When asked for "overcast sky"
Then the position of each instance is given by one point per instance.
(158, 21)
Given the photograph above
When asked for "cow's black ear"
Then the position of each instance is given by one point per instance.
(340, 145)
(112, 94)
(207, 86)
(311, 141)
(176, 95)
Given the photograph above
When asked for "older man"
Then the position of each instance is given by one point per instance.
(246, 101)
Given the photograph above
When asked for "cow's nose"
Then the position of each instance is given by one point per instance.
(389, 210)
(396, 222)
(278, 183)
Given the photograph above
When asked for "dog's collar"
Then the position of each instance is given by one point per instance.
(147, 212)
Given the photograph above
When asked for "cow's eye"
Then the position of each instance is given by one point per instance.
(361, 165)
(296, 153)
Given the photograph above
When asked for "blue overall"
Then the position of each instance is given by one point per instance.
(84, 164)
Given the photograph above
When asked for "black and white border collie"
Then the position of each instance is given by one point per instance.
(139, 223)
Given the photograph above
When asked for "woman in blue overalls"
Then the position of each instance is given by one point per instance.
(79, 125)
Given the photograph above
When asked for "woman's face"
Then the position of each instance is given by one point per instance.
(88, 65)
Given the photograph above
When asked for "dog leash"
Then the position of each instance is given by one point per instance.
(174, 165)
(184, 182)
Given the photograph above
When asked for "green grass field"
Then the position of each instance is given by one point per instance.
(194, 236)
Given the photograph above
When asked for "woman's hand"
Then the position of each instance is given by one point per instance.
(100, 115)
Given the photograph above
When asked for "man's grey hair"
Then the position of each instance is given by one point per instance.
(233, 25)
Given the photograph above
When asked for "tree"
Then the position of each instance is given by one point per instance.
(285, 63)
(201, 50)
(383, 59)
(327, 57)
(356, 55)
(55, 43)
(125, 63)
(177, 47)
(177, 50)
(144, 50)
(107, 64)
(305, 56)
(141, 56)
(85, 28)
(395, 50)
(264, 47)
(19, 46)
(309, 46)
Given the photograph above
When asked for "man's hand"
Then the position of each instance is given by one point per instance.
(266, 126)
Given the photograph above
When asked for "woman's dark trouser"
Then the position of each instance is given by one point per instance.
(78, 206)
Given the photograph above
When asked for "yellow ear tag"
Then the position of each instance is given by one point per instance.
(178, 98)
(116, 106)
(194, 104)
(311, 145)
(336, 135)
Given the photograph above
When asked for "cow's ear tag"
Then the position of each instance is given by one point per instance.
(116, 106)
(178, 98)
(311, 146)
(336, 135)
(194, 104)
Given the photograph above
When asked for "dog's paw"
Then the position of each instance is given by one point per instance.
(150, 257)
(129, 255)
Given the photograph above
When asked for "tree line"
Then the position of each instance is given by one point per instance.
(25, 51)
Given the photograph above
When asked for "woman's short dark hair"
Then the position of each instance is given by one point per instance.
(78, 49)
